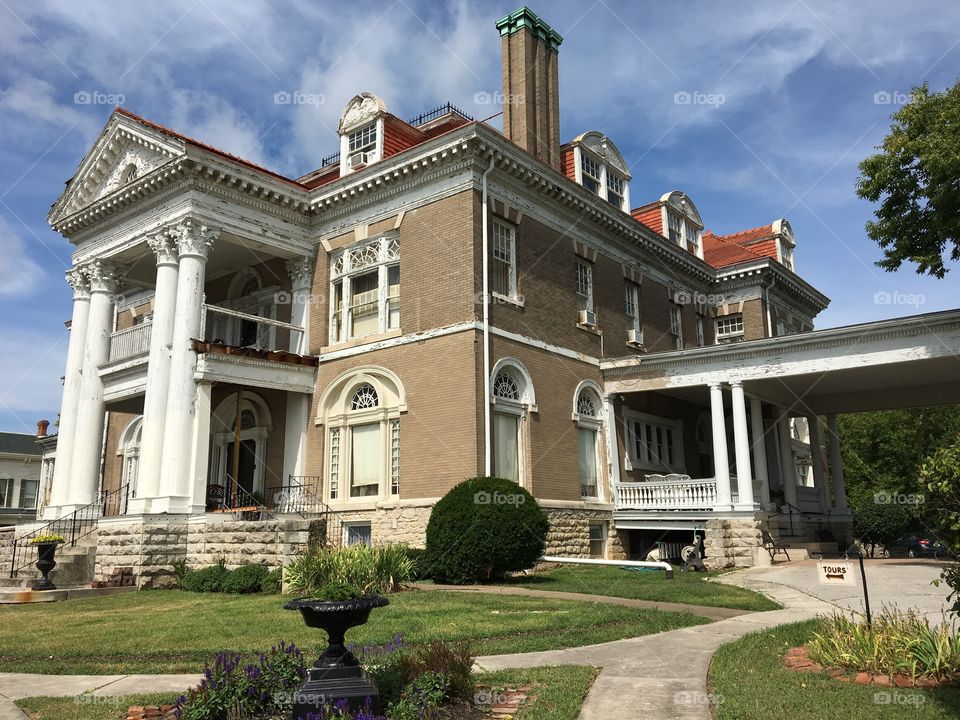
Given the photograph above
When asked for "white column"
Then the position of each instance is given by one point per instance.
(60, 488)
(158, 371)
(176, 474)
(298, 407)
(741, 441)
(84, 463)
(836, 467)
(760, 451)
(788, 471)
(200, 455)
(721, 465)
(610, 432)
(816, 455)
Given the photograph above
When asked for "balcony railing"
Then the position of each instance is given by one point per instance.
(677, 492)
(130, 342)
(239, 329)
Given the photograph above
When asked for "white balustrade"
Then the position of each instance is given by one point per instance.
(130, 342)
(683, 494)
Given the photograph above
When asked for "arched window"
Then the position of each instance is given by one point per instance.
(245, 461)
(361, 409)
(587, 413)
(129, 449)
(512, 398)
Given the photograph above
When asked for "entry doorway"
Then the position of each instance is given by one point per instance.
(246, 465)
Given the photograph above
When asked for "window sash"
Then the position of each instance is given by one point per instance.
(6, 492)
(584, 286)
(365, 460)
(28, 494)
(363, 139)
(654, 444)
(729, 325)
(504, 260)
(358, 534)
(700, 336)
(506, 446)
(598, 537)
(587, 441)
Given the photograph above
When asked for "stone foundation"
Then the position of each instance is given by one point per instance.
(569, 534)
(405, 524)
(732, 543)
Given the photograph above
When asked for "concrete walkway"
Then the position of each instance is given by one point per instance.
(660, 676)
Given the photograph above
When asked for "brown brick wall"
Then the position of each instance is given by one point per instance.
(113, 463)
(754, 320)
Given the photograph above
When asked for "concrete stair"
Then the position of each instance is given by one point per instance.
(75, 566)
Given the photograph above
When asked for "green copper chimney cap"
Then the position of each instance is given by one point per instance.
(525, 18)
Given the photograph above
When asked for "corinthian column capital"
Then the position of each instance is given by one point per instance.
(194, 239)
(300, 270)
(164, 246)
(78, 280)
(103, 276)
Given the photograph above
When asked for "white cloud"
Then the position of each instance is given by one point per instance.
(19, 274)
(31, 365)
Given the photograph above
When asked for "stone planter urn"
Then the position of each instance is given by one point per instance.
(45, 563)
(337, 674)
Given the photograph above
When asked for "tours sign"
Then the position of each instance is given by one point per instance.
(835, 572)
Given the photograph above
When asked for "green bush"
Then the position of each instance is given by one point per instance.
(370, 571)
(208, 579)
(421, 569)
(898, 642)
(245, 579)
(272, 582)
(483, 528)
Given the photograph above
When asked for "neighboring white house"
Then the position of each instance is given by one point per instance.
(20, 470)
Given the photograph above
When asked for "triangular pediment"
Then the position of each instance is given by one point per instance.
(124, 152)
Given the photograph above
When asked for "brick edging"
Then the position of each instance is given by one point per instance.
(798, 658)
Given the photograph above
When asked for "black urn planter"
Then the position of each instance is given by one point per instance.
(45, 563)
(336, 675)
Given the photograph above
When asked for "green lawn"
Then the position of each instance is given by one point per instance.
(559, 693)
(173, 631)
(688, 587)
(749, 682)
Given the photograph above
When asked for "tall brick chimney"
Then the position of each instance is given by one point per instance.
(42, 426)
(531, 97)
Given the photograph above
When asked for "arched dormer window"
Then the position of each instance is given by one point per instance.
(681, 222)
(361, 410)
(785, 243)
(588, 415)
(601, 169)
(513, 399)
(361, 132)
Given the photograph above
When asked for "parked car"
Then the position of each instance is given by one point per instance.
(914, 545)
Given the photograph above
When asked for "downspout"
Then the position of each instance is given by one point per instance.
(766, 293)
(486, 325)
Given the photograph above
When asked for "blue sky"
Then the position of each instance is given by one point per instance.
(785, 100)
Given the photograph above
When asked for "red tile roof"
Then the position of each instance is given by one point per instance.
(753, 244)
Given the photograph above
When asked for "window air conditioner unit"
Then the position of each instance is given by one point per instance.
(635, 337)
(357, 159)
(587, 317)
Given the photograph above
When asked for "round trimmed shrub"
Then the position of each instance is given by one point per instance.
(245, 579)
(208, 579)
(483, 528)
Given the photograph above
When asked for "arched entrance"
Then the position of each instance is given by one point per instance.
(239, 429)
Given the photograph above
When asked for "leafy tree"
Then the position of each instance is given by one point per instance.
(883, 451)
(879, 523)
(941, 477)
(916, 179)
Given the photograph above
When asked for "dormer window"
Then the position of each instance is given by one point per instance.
(363, 139)
(615, 190)
(683, 231)
(592, 174)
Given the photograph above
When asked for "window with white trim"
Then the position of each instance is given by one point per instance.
(598, 540)
(6, 492)
(683, 231)
(591, 172)
(654, 443)
(631, 305)
(587, 414)
(365, 289)
(28, 494)
(584, 286)
(357, 533)
(729, 328)
(503, 266)
(363, 139)
(512, 398)
(676, 325)
(786, 255)
(674, 227)
(615, 185)
(701, 339)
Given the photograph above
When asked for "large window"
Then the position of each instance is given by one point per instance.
(591, 172)
(654, 443)
(683, 231)
(631, 305)
(512, 398)
(503, 275)
(587, 414)
(615, 186)
(584, 287)
(365, 290)
(362, 411)
(729, 329)
(676, 325)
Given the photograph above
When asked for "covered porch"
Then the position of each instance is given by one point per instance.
(748, 430)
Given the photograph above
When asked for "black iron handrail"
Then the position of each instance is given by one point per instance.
(445, 109)
(330, 160)
(73, 526)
